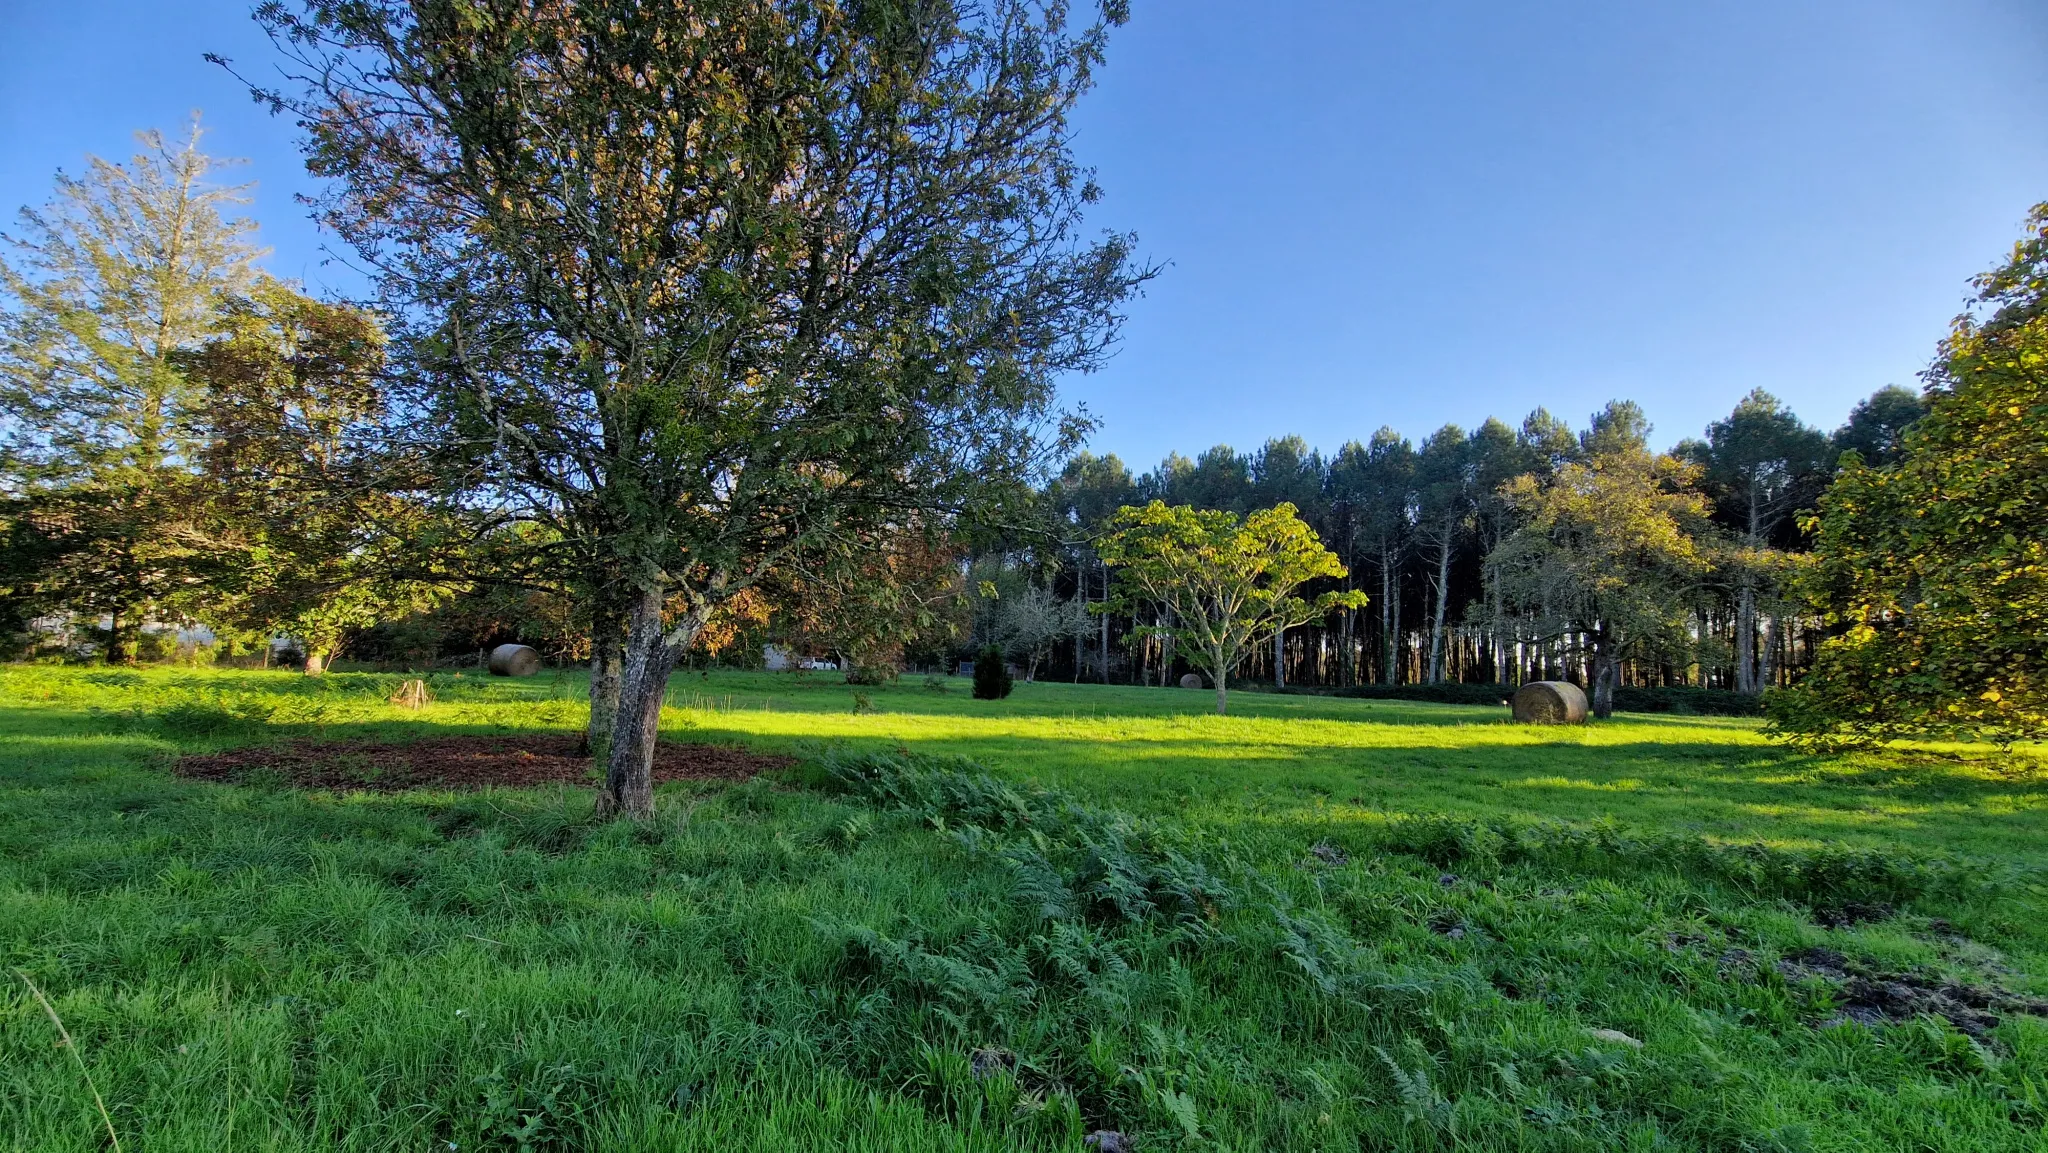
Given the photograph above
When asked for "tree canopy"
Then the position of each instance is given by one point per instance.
(713, 292)
(1226, 581)
(1610, 550)
(1932, 571)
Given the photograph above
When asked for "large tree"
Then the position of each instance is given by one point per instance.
(1375, 484)
(1932, 572)
(1759, 465)
(1443, 517)
(718, 283)
(312, 532)
(129, 266)
(1227, 582)
(1609, 556)
(1876, 428)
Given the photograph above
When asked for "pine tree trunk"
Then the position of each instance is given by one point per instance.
(1105, 627)
(1080, 635)
(1745, 639)
(1767, 660)
(1436, 632)
(1347, 668)
(1390, 618)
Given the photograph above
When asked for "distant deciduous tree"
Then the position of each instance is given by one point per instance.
(1227, 582)
(1933, 571)
(1030, 620)
(311, 535)
(1610, 551)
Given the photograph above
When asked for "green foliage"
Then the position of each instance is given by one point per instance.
(992, 679)
(1932, 572)
(1225, 582)
(839, 297)
(1610, 550)
(311, 539)
(126, 269)
(1876, 428)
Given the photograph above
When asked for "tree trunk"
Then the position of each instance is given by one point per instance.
(1279, 658)
(1346, 674)
(1390, 616)
(1497, 643)
(606, 640)
(1080, 635)
(1443, 589)
(1605, 672)
(629, 765)
(118, 652)
(1767, 660)
(1105, 626)
(1745, 639)
(316, 662)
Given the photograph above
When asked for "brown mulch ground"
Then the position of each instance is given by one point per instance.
(465, 762)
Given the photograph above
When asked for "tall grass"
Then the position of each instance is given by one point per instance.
(902, 949)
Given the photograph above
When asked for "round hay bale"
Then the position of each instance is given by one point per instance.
(514, 661)
(1550, 703)
(1191, 681)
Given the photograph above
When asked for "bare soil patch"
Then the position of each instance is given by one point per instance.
(1870, 996)
(515, 760)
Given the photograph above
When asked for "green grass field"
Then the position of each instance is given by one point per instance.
(961, 925)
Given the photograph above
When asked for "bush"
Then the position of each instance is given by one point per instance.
(992, 681)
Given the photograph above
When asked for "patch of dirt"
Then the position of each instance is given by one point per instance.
(1329, 854)
(515, 760)
(1869, 996)
(1852, 913)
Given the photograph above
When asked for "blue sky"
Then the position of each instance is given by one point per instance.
(1401, 214)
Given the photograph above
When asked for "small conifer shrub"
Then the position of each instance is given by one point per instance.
(992, 681)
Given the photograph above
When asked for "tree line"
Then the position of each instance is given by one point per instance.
(1433, 533)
